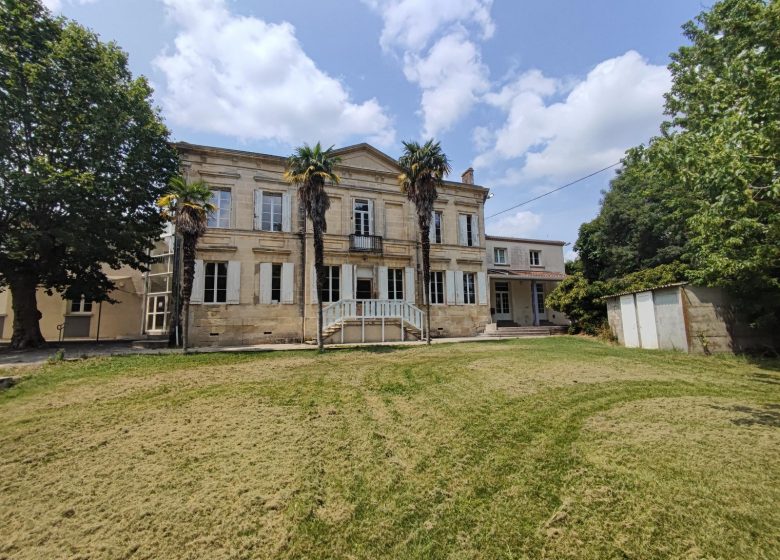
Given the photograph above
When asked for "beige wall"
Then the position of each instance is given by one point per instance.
(518, 253)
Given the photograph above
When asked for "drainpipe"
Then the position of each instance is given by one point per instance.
(534, 303)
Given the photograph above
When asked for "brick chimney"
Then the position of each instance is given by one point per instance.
(468, 176)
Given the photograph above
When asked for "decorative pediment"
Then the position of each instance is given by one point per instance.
(366, 157)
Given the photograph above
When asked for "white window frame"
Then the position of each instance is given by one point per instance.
(502, 251)
(395, 284)
(535, 255)
(437, 289)
(363, 226)
(220, 218)
(438, 228)
(539, 295)
(271, 225)
(469, 288)
(214, 266)
(330, 280)
(81, 307)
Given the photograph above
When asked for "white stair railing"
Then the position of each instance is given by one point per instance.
(337, 313)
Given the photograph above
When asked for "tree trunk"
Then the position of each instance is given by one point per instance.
(318, 270)
(27, 330)
(188, 274)
(426, 257)
(302, 291)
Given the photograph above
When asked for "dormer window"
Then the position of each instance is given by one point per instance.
(535, 257)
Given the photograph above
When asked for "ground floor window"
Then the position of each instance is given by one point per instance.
(539, 298)
(332, 290)
(502, 298)
(469, 293)
(215, 282)
(437, 287)
(276, 283)
(80, 306)
(395, 283)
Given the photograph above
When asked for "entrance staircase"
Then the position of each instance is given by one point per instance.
(508, 329)
(394, 319)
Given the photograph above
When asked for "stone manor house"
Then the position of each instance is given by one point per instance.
(254, 277)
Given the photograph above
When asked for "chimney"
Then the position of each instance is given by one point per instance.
(468, 176)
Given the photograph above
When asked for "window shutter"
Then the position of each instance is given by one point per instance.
(233, 282)
(449, 280)
(346, 282)
(481, 288)
(370, 217)
(286, 213)
(458, 287)
(258, 210)
(432, 228)
(198, 282)
(265, 282)
(409, 287)
(288, 283)
(314, 295)
(382, 273)
(462, 230)
(475, 229)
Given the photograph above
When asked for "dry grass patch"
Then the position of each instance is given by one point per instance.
(541, 448)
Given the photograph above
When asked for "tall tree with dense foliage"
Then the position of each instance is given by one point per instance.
(424, 168)
(309, 168)
(187, 205)
(83, 158)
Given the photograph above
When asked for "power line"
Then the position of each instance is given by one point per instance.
(554, 190)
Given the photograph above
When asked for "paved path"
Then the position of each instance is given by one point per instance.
(76, 350)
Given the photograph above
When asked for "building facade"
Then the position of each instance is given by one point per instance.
(254, 273)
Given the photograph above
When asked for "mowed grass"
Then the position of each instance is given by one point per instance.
(545, 448)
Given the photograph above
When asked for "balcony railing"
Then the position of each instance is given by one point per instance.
(365, 243)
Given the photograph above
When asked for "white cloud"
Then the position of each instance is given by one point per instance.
(451, 76)
(440, 54)
(619, 104)
(241, 76)
(519, 224)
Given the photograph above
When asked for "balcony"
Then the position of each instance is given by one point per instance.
(365, 243)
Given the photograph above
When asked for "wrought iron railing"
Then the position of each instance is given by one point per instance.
(365, 243)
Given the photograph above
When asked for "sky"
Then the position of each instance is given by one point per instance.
(532, 95)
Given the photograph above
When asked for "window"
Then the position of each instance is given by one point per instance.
(437, 287)
(331, 291)
(437, 227)
(468, 233)
(536, 258)
(469, 230)
(469, 294)
(395, 283)
(502, 298)
(81, 306)
(276, 283)
(539, 298)
(499, 255)
(215, 282)
(271, 218)
(362, 217)
(220, 217)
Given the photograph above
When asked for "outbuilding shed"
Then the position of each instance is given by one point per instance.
(681, 317)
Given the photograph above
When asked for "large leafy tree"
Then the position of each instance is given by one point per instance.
(187, 205)
(424, 168)
(310, 168)
(83, 157)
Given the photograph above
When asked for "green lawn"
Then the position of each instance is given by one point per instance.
(545, 448)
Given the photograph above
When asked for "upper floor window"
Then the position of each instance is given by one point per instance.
(276, 283)
(469, 292)
(80, 306)
(535, 257)
(331, 291)
(362, 216)
(468, 230)
(271, 213)
(499, 255)
(220, 217)
(215, 282)
(395, 283)
(437, 287)
(436, 228)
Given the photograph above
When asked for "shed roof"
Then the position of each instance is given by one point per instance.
(651, 289)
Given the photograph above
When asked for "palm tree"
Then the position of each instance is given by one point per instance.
(309, 168)
(187, 205)
(424, 168)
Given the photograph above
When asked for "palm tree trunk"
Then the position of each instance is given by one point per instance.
(27, 331)
(319, 271)
(426, 255)
(188, 274)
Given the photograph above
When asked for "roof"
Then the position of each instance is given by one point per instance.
(527, 274)
(524, 240)
(651, 289)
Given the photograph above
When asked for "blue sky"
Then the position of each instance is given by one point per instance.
(531, 94)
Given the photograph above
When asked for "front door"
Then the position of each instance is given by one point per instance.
(541, 312)
(502, 305)
(363, 289)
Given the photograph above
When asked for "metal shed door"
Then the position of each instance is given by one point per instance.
(648, 334)
(628, 314)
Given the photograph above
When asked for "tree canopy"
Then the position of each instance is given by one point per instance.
(83, 157)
